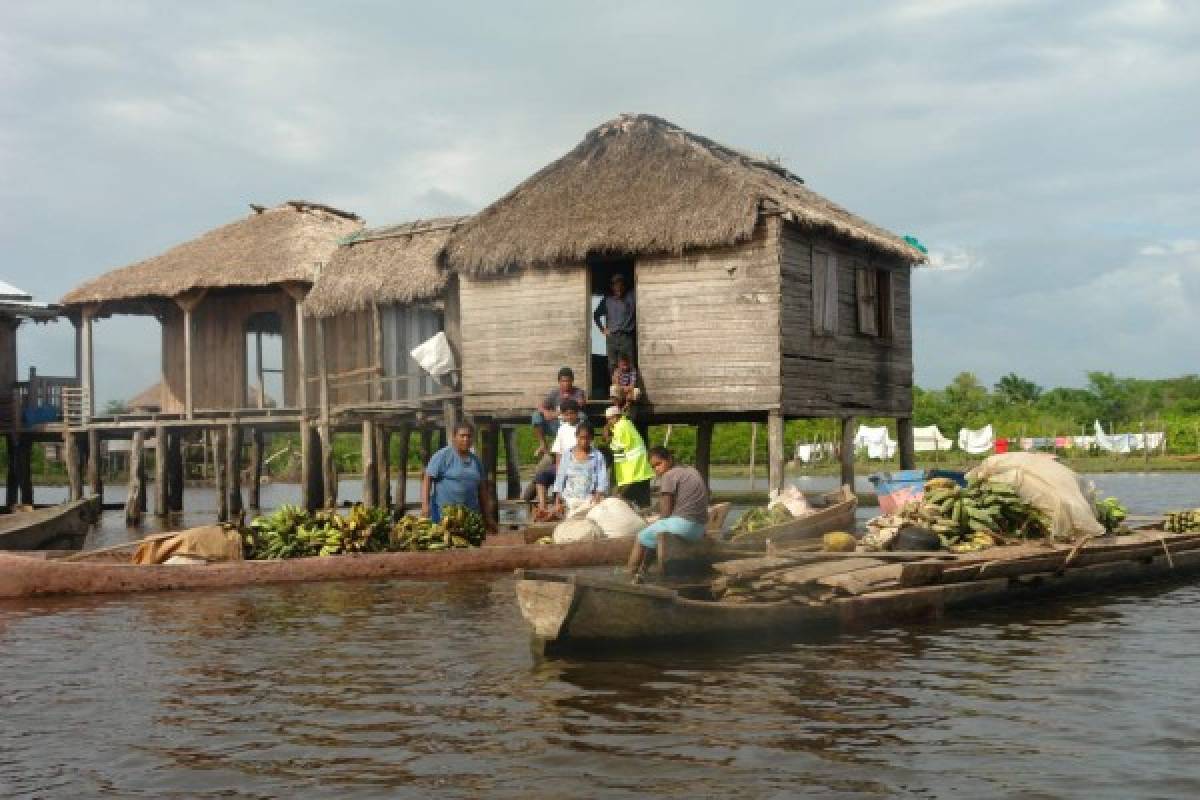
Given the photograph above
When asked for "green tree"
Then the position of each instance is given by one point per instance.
(1015, 390)
(114, 407)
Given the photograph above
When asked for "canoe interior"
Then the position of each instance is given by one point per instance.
(834, 511)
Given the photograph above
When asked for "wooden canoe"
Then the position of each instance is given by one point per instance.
(834, 511)
(580, 612)
(63, 526)
(22, 576)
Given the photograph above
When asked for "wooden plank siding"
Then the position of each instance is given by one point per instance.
(219, 364)
(848, 372)
(517, 330)
(708, 327)
(349, 347)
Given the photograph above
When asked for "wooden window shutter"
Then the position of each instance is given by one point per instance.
(886, 303)
(825, 292)
(866, 293)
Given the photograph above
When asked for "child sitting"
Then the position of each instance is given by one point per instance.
(624, 383)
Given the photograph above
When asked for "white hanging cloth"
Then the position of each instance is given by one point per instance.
(876, 441)
(976, 442)
(930, 438)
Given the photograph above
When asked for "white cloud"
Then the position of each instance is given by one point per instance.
(1175, 247)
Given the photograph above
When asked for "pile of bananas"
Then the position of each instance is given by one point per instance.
(1111, 514)
(1182, 521)
(462, 521)
(971, 517)
(759, 518)
(460, 527)
(292, 532)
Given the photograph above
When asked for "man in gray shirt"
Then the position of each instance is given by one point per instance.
(616, 317)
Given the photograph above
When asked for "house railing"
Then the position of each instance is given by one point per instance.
(42, 400)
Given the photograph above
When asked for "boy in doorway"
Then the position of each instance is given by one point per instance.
(624, 389)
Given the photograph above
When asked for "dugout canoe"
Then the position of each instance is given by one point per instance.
(22, 576)
(834, 511)
(569, 612)
(63, 526)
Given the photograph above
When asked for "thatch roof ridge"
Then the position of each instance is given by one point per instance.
(268, 247)
(640, 184)
(385, 265)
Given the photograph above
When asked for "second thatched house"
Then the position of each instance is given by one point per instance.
(757, 298)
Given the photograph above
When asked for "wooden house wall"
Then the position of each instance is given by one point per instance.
(708, 327)
(8, 354)
(846, 373)
(517, 330)
(219, 363)
(349, 348)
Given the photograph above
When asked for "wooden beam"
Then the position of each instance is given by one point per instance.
(175, 471)
(187, 302)
(233, 469)
(25, 469)
(370, 481)
(137, 482)
(258, 371)
(323, 374)
(383, 464)
(12, 482)
(74, 472)
(301, 359)
(95, 472)
(512, 464)
(490, 453)
(87, 367)
(160, 471)
(847, 454)
(220, 474)
(375, 388)
(400, 497)
(256, 466)
(329, 476)
(904, 440)
(704, 435)
(449, 419)
(775, 450)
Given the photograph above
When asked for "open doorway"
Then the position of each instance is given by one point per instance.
(602, 275)
(264, 360)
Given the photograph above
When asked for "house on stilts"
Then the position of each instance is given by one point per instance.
(757, 298)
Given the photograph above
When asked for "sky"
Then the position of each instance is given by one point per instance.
(1045, 152)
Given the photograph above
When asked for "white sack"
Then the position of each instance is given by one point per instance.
(1049, 486)
(616, 518)
(976, 442)
(434, 355)
(576, 530)
(929, 439)
(793, 500)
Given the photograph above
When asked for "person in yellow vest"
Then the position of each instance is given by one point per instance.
(631, 465)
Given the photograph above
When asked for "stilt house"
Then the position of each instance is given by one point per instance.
(757, 298)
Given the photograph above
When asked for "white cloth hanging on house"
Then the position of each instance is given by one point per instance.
(876, 441)
(434, 355)
(976, 442)
(930, 438)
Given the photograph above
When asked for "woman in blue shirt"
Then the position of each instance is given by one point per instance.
(454, 476)
(582, 474)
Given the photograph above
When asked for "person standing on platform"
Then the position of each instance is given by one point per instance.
(616, 317)
(631, 468)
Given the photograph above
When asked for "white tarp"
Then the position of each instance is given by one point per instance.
(976, 442)
(434, 355)
(1050, 486)
(876, 441)
(930, 438)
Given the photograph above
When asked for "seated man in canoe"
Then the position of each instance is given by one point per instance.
(683, 506)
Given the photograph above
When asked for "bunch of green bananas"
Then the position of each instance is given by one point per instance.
(1110, 514)
(418, 533)
(1182, 521)
(460, 521)
(958, 513)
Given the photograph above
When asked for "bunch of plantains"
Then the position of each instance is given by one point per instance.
(758, 518)
(460, 527)
(972, 517)
(1111, 514)
(292, 532)
(1182, 521)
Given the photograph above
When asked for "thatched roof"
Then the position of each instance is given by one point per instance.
(149, 399)
(639, 184)
(271, 246)
(396, 264)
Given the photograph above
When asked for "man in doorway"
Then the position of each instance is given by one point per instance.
(683, 506)
(616, 317)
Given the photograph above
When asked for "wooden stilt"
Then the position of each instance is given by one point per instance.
(311, 485)
(775, 447)
(383, 464)
(904, 440)
(25, 453)
(12, 482)
(329, 476)
(704, 434)
(160, 471)
(233, 469)
(400, 497)
(848, 451)
(221, 482)
(370, 477)
(256, 466)
(490, 453)
(426, 445)
(753, 453)
(175, 471)
(512, 464)
(449, 420)
(137, 483)
(72, 460)
(95, 469)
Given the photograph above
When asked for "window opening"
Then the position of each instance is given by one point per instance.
(264, 360)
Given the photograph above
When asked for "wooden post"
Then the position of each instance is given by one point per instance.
(375, 387)
(175, 470)
(297, 293)
(233, 468)
(25, 450)
(512, 464)
(383, 464)
(87, 367)
(426, 446)
(12, 483)
(370, 480)
(95, 471)
(1145, 448)
(71, 457)
(329, 476)
(220, 476)
(753, 452)
(137, 483)
(904, 440)
(400, 498)
(848, 451)
(775, 447)
(187, 302)
(491, 448)
(160, 471)
(449, 419)
(704, 434)
(311, 484)
(258, 371)
(256, 466)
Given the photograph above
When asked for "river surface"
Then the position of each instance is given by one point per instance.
(406, 689)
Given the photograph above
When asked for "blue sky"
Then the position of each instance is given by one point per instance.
(1045, 152)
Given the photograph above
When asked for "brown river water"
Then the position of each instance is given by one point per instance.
(406, 689)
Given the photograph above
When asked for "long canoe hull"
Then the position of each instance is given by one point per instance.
(838, 515)
(65, 524)
(574, 612)
(28, 577)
